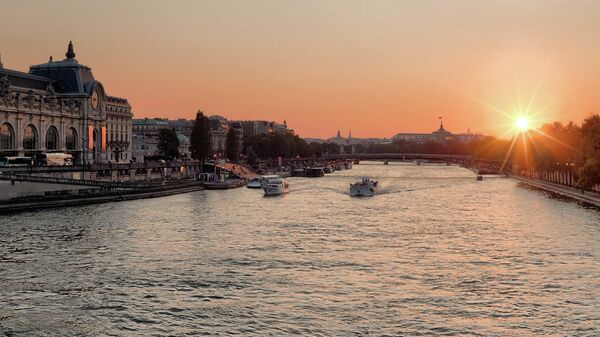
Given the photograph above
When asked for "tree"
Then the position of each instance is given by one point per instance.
(200, 139)
(232, 146)
(251, 156)
(590, 129)
(589, 173)
(168, 144)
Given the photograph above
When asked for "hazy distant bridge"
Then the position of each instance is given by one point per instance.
(482, 166)
(399, 156)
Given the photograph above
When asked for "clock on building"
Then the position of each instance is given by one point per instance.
(95, 100)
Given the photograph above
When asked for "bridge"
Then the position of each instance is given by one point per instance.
(481, 166)
(399, 156)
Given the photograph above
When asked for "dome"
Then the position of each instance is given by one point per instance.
(182, 139)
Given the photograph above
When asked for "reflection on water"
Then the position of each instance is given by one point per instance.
(434, 253)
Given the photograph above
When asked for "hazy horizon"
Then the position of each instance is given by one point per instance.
(377, 68)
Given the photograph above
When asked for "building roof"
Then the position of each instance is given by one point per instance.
(66, 77)
(182, 139)
(441, 130)
(150, 121)
(25, 80)
(217, 124)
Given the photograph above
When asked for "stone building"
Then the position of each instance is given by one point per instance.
(59, 106)
(218, 129)
(146, 137)
(440, 135)
(256, 127)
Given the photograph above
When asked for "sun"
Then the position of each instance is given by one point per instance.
(522, 123)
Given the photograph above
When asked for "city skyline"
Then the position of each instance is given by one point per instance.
(337, 66)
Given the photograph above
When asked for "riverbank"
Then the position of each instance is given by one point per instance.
(588, 197)
(34, 203)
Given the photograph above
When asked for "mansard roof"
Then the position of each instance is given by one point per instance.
(25, 80)
(68, 76)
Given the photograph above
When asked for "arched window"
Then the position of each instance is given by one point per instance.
(30, 138)
(7, 136)
(52, 139)
(71, 139)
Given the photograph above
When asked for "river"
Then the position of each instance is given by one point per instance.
(434, 253)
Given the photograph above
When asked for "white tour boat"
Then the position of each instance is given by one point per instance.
(255, 183)
(275, 186)
(365, 187)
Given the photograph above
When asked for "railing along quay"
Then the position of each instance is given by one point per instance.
(67, 181)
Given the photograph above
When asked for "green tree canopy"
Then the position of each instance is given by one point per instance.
(168, 144)
(200, 140)
(232, 149)
(273, 145)
(589, 172)
(251, 156)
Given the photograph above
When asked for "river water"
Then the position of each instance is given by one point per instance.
(434, 253)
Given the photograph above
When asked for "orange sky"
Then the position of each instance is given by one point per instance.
(376, 67)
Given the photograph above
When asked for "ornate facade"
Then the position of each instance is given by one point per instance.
(59, 107)
(439, 135)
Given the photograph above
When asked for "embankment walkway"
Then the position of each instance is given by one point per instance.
(589, 197)
(38, 202)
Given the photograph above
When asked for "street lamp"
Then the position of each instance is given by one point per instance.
(215, 159)
(83, 147)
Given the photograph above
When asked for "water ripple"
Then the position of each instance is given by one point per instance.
(436, 253)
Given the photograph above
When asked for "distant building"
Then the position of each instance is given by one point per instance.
(256, 127)
(280, 128)
(146, 133)
(347, 145)
(59, 106)
(439, 135)
(184, 146)
(239, 132)
(218, 134)
(146, 137)
(182, 126)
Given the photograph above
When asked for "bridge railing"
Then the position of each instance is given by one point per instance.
(397, 156)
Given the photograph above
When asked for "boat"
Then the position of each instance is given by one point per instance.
(348, 165)
(283, 173)
(275, 186)
(298, 172)
(255, 183)
(365, 187)
(224, 185)
(314, 172)
(339, 167)
(328, 169)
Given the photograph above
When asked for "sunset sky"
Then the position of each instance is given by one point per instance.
(376, 67)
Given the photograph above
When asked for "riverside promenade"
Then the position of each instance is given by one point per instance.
(589, 197)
